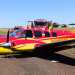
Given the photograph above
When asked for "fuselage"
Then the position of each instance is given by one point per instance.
(29, 39)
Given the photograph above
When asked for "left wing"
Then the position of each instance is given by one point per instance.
(52, 46)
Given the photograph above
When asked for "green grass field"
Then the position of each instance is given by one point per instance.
(3, 31)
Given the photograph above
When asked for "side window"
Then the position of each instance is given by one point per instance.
(29, 33)
(47, 34)
(26, 33)
(37, 33)
(22, 35)
(54, 34)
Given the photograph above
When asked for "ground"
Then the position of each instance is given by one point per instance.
(30, 64)
(41, 64)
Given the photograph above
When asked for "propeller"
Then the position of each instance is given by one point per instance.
(7, 44)
(8, 35)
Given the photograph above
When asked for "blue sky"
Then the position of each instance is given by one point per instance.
(18, 12)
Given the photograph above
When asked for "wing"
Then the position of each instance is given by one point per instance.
(53, 46)
(61, 43)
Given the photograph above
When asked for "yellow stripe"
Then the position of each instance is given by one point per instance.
(24, 47)
(43, 34)
(46, 41)
(6, 51)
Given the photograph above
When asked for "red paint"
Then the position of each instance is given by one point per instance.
(40, 28)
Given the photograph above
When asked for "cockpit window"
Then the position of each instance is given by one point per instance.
(47, 34)
(54, 34)
(39, 24)
(37, 33)
(15, 33)
(26, 33)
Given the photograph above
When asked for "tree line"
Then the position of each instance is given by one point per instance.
(62, 25)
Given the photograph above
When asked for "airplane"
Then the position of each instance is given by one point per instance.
(34, 40)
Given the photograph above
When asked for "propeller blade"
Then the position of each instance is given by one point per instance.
(8, 35)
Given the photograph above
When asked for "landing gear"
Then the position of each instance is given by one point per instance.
(11, 54)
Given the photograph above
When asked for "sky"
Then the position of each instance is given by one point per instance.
(18, 12)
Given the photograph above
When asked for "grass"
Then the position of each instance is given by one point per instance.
(72, 50)
(63, 28)
(3, 31)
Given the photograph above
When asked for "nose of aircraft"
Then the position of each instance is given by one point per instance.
(6, 45)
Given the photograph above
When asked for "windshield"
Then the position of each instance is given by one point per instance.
(40, 24)
(16, 28)
(15, 33)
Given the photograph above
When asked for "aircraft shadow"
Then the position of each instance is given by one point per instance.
(49, 56)
(58, 57)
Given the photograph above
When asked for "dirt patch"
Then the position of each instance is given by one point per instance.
(30, 64)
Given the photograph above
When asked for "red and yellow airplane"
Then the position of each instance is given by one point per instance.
(23, 40)
(31, 39)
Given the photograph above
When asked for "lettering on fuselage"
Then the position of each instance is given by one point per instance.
(57, 40)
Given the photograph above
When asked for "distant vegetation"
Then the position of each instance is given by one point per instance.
(55, 25)
(64, 28)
